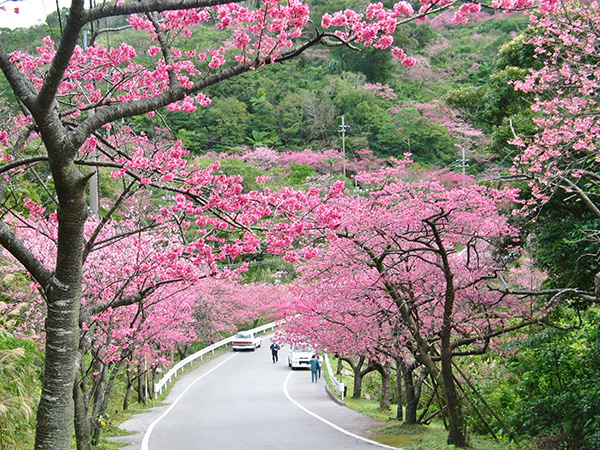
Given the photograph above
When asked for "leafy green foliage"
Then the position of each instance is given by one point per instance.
(495, 105)
(300, 172)
(558, 384)
(561, 244)
(562, 251)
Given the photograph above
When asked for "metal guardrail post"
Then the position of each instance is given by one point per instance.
(339, 386)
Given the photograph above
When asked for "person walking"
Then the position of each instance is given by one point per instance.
(320, 358)
(315, 365)
(274, 349)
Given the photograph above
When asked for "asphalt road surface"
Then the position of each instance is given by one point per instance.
(242, 400)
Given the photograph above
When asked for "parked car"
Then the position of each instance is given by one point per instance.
(246, 340)
(300, 355)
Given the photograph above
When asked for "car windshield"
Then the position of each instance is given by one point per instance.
(302, 349)
(243, 335)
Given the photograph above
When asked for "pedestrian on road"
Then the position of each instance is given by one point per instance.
(315, 365)
(320, 365)
(274, 349)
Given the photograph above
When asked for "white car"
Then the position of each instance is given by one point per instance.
(246, 340)
(300, 356)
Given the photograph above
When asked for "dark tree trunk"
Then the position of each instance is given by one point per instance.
(141, 391)
(456, 428)
(406, 372)
(386, 385)
(412, 398)
(55, 415)
(153, 393)
(357, 385)
(98, 400)
(127, 392)
(359, 373)
(399, 391)
(456, 432)
(100, 412)
(82, 418)
(183, 351)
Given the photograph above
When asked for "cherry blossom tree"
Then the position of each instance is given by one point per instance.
(561, 159)
(563, 154)
(230, 304)
(411, 264)
(74, 105)
(128, 292)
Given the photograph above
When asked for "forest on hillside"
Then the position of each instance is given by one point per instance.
(388, 108)
(455, 185)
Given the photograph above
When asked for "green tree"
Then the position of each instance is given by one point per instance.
(229, 121)
(411, 131)
(300, 172)
(558, 376)
(497, 106)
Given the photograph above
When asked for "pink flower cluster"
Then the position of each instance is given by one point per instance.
(464, 10)
(382, 90)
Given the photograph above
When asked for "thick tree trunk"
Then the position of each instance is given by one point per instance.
(141, 390)
(357, 385)
(358, 374)
(55, 415)
(56, 410)
(127, 392)
(386, 386)
(456, 430)
(412, 399)
(456, 435)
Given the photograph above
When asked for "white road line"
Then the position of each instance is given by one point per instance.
(153, 424)
(327, 422)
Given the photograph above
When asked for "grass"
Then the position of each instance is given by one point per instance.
(417, 437)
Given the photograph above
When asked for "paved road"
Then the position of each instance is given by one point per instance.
(243, 400)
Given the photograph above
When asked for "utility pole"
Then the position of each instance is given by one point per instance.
(464, 165)
(343, 127)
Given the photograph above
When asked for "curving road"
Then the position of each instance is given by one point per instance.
(243, 400)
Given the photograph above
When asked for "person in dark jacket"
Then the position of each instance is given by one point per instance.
(274, 349)
(315, 365)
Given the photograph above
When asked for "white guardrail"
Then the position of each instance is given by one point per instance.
(158, 387)
(338, 385)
